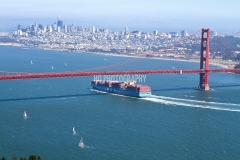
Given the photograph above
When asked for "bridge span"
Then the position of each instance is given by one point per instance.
(203, 71)
(127, 72)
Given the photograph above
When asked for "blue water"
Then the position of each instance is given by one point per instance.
(178, 122)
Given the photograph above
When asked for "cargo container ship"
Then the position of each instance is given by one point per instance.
(123, 88)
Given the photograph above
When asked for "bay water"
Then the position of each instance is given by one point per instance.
(178, 122)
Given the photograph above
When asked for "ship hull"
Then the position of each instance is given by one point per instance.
(122, 91)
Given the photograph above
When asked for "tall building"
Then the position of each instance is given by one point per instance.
(29, 28)
(40, 26)
(183, 33)
(19, 32)
(19, 27)
(50, 29)
(72, 26)
(58, 29)
(59, 22)
(93, 29)
(54, 26)
(155, 32)
(105, 31)
(69, 28)
(65, 28)
(33, 28)
(127, 30)
(45, 29)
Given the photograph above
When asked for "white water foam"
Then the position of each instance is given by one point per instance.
(94, 90)
(203, 102)
(194, 103)
(66, 98)
(187, 102)
(111, 93)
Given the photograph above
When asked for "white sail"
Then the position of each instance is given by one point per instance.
(81, 144)
(52, 67)
(74, 132)
(65, 64)
(24, 114)
(31, 62)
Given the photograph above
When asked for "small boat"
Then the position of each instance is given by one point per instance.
(81, 144)
(31, 62)
(74, 132)
(65, 64)
(52, 67)
(25, 115)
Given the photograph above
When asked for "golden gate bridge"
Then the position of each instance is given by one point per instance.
(203, 71)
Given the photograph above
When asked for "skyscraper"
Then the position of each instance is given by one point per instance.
(58, 29)
(33, 28)
(54, 26)
(59, 22)
(93, 29)
(183, 33)
(40, 26)
(126, 30)
(65, 28)
(19, 27)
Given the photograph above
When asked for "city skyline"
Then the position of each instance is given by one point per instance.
(175, 15)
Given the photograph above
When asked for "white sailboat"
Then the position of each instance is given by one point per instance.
(25, 115)
(31, 62)
(65, 64)
(74, 132)
(81, 144)
(52, 67)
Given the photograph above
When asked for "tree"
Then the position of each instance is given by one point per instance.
(34, 157)
(31, 157)
(14, 157)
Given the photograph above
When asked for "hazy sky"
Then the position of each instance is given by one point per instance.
(218, 14)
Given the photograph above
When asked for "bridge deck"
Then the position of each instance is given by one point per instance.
(132, 72)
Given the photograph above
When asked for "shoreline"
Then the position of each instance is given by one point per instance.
(157, 58)
(118, 55)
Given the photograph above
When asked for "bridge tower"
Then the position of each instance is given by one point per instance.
(204, 60)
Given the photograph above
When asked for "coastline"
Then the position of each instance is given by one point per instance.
(119, 55)
(158, 58)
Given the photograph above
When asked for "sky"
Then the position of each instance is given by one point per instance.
(160, 14)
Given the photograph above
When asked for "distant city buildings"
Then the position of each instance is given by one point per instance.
(127, 30)
(93, 29)
(59, 23)
(155, 32)
(64, 37)
(19, 27)
(184, 33)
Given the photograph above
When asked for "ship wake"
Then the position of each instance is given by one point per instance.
(194, 103)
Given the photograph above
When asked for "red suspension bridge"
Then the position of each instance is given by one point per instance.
(203, 71)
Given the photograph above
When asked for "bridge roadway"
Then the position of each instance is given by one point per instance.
(127, 72)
